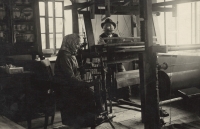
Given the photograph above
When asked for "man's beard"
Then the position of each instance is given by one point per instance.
(108, 32)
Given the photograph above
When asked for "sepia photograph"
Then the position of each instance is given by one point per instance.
(99, 64)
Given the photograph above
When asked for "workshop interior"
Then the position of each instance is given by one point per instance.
(136, 63)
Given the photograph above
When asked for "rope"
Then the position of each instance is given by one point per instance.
(170, 118)
(118, 27)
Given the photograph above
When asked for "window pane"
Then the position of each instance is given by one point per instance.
(59, 38)
(51, 41)
(43, 41)
(59, 25)
(68, 22)
(42, 25)
(50, 9)
(51, 25)
(170, 29)
(184, 23)
(42, 8)
(59, 9)
(161, 26)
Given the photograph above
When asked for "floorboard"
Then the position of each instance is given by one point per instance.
(182, 113)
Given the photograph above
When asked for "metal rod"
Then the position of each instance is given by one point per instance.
(173, 2)
(126, 44)
(170, 101)
(183, 47)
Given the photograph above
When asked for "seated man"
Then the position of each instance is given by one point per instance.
(76, 95)
(108, 28)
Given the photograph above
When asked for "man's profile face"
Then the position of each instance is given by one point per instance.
(108, 28)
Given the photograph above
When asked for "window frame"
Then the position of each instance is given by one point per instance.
(194, 27)
(47, 33)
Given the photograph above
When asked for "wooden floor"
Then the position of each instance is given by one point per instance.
(129, 117)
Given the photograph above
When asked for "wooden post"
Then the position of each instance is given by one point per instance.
(152, 116)
(89, 29)
(142, 87)
(38, 43)
(75, 19)
(92, 10)
(47, 24)
(107, 5)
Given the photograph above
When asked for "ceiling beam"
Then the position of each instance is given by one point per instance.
(173, 2)
(78, 5)
(124, 10)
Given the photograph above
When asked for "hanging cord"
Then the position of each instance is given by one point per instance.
(95, 27)
(118, 27)
(170, 92)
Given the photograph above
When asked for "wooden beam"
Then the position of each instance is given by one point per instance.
(152, 116)
(107, 10)
(173, 2)
(75, 20)
(162, 9)
(54, 27)
(124, 10)
(38, 40)
(47, 24)
(142, 85)
(89, 29)
(92, 10)
(78, 5)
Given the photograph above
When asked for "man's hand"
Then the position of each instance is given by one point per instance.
(101, 41)
(93, 83)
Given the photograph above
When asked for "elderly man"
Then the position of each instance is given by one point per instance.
(108, 27)
(77, 96)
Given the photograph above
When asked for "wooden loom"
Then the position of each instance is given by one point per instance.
(147, 60)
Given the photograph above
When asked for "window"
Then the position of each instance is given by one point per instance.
(182, 29)
(52, 23)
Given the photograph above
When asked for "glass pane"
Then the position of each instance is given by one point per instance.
(51, 25)
(43, 41)
(51, 41)
(59, 38)
(161, 27)
(184, 23)
(59, 25)
(50, 9)
(170, 29)
(42, 8)
(68, 22)
(59, 9)
(42, 25)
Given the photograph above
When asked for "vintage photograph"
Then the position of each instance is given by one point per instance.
(99, 64)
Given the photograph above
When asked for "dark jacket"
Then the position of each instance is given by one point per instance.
(66, 69)
(103, 35)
